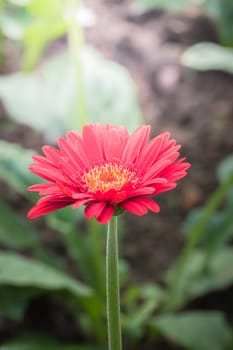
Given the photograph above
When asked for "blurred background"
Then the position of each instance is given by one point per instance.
(165, 63)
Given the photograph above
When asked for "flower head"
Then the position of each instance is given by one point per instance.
(107, 170)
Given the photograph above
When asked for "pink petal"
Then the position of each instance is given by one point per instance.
(45, 161)
(94, 209)
(91, 143)
(143, 191)
(51, 153)
(48, 204)
(106, 215)
(115, 142)
(134, 207)
(72, 155)
(140, 206)
(151, 151)
(165, 187)
(44, 189)
(149, 203)
(79, 202)
(75, 141)
(47, 173)
(135, 144)
(155, 171)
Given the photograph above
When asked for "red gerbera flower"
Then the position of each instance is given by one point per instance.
(107, 170)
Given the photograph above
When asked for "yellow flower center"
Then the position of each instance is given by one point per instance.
(108, 177)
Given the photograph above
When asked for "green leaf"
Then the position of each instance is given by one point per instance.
(203, 274)
(208, 56)
(139, 303)
(195, 330)
(18, 233)
(18, 271)
(46, 99)
(218, 274)
(225, 169)
(36, 342)
(14, 162)
(222, 12)
(219, 228)
(47, 24)
(189, 277)
(15, 231)
(14, 301)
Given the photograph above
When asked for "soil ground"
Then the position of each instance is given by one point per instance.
(197, 108)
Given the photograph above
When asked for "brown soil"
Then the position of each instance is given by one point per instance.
(197, 108)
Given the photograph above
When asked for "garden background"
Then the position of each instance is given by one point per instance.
(160, 62)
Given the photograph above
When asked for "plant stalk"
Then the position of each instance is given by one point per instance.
(112, 287)
(194, 237)
(76, 41)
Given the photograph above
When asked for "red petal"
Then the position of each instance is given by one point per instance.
(135, 144)
(155, 171)
(91, 143)
(71, 154)
(78, 203)
(151, 151)
(150, 204)
(48, 204)
(44, 189)
(134, 207)
(140, 206)
(45, 161)
(74, 140)
(106, 215)
(47, 173)
(51, 153)
(115, 142)
(94, 209)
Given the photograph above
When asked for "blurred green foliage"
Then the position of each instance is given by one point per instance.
(209, 56)
(47, 105)
(34, 23)
(39, 342)
(204, 266)
(45, 100)
(195, 330)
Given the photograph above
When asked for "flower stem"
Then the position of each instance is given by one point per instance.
(112, 287)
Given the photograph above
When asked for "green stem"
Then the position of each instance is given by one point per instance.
(112, 287)
(76, 44)
(2, 39)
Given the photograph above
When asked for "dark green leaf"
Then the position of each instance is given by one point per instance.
(218, 230)
(217, 275)
(35, 342)
(139, 303)
(18, 271)
(14, 162)
(14, 301)
(195, 330)
(15, 231)
(225, 169)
